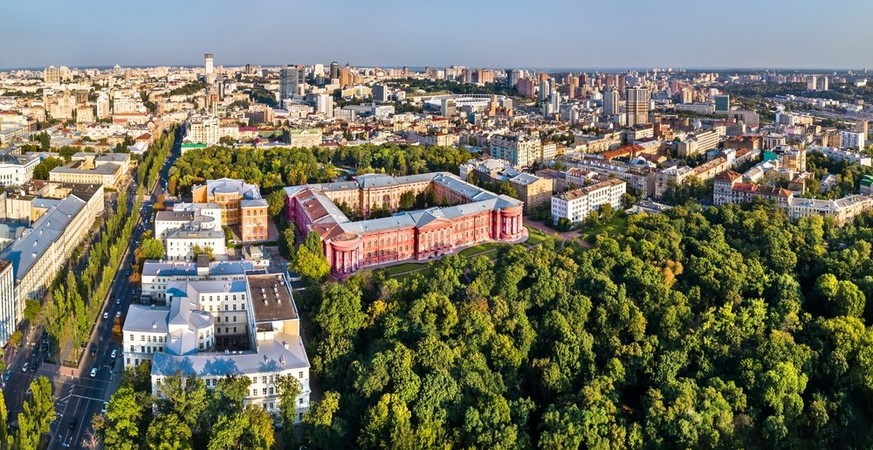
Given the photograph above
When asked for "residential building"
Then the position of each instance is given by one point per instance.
(308, 137)
(93, 168)
(240, 203)
(722, 104)
(852, 139)
(16, 170)
(477, 216)
(181, 244)
(8, 313)
(532, 190)
(698, 143)
(575, 205)
(203, 130)
(637, 103)
(156, 275)
(519, 149)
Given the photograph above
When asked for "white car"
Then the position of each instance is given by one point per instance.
(93, 372)
(114, 353)
(118, 314)
(105, 314)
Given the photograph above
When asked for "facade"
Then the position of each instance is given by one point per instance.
(156, 275)
(92, 168)
(477, 216)
(852, 140)
(520, 150)
(309, 137)
(16, 170)
(698, 143)
(8, 312)
(532, 190)
(575, 205)
(292, 80)
(680, 174)
(203, 130)
(729, 188)
(240, 204)
(38, 255)
(722, 103)
(637, 105)
(181, 244)
(256, 313)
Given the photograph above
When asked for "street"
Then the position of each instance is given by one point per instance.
(79, 395)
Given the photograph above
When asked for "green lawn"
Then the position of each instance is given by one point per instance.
(480, 249)
(535, 237)
(615, 225)
(402, 268)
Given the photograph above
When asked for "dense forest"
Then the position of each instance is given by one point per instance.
(723, 327)
(278, 167)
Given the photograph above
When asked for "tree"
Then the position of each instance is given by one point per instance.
(41, 171)
(183, 396)
(168, 432)
(4, 424)
(152, 249)
(124, 414)
(289, 240)
(407, 200)
(31, 309)
(259, 431)
(289, 390)
(227, 431)
(309, 260)
(323, 424)
(37, 414)
(276, 203)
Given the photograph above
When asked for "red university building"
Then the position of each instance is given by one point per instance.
(477, 216)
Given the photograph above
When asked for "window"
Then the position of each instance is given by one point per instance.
(271, 391)
(300, 375)
(264, 390)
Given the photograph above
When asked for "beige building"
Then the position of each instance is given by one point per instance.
(532, 190)
(240, 204)
(304, 138)
(93, 168)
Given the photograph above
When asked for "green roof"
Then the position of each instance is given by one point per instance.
(770, 156)
(193, 145)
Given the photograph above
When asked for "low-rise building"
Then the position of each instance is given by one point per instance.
(240, 203)
(307, 137)
(185, 245)
(16, 170)
(212, 329)
(575, 205)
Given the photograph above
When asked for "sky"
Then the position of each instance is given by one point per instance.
(833, 34)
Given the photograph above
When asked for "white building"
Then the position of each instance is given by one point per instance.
(16, 170)
(851, 139)
(181, 244)
(198, 333)
(203, 129)
(842, 155)
(576, 204)
(8, 313)
(156, 275)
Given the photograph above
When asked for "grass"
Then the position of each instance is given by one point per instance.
(425, 267)
(393, 271)
(480, 249)
(616, 225)
(535, 237)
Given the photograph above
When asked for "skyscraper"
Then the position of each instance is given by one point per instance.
(572, 86)
(290, 82)
(380, 93)
(610, 101)
(637, 105)
(345, 76)
(334, 70)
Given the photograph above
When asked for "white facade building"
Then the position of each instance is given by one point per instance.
(204, 130)
(180, 244)
(575, 205)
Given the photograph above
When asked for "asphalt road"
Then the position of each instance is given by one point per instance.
(79, 398)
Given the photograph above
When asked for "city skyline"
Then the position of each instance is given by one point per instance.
(568, 36)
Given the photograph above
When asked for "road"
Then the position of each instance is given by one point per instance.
(78, 395)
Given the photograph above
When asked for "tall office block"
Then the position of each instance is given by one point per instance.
(334, 70)
(637, 105)
(291, 81)
(610, 101)
(722, 103)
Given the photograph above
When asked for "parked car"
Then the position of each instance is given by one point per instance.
(25, 366)
(105, 314)
(118, 314)
(114, 353)
(93, 372)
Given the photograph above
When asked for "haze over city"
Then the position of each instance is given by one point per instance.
(545, 34)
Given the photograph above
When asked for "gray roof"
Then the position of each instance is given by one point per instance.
(29, 248)
(141, 318)
(174, 216)
(182, 233)
(283, 353)
(256, 203)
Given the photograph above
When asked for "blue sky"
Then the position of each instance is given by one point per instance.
(508, 33)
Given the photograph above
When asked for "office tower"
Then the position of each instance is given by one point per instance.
(334, 70)
(610, 101)
(637, 105)
(722, 103)
(380, 93)
(250, 69)
(291, 81)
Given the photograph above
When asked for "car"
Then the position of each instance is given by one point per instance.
(118, 300)
(105, 405)
(25, 366)
(117, 314)
(105, 314)
(7, 375)
(93, 372)
(114, 354)
(93, 350)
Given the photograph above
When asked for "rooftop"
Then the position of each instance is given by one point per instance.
(271, 298)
